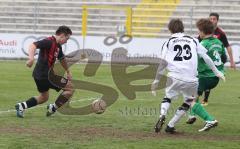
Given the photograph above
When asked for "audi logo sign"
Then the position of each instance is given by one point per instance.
(72, 44)
(15, 46)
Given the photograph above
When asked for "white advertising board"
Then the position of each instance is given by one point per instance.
(16, 46)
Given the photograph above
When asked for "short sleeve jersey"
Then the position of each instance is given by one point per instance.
(215, 50)
(49, 51)
(219, 34)
(181, 53)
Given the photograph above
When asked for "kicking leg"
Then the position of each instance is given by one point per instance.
(61, 100)
(192, 116)
(178, 115)
(199, 110)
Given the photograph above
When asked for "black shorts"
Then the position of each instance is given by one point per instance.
(44, 85)
(207, 83)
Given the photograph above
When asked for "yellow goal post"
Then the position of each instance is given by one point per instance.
(127, 9)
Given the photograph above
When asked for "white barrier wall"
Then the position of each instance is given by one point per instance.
(16, 45)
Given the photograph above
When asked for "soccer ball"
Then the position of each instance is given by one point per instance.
(99, 106)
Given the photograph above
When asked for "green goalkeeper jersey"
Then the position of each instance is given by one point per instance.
(215, 52)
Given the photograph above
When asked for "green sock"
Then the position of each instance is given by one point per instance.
(199, 110)
(191, 110)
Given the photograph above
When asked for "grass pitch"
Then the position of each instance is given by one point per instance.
(125, 124)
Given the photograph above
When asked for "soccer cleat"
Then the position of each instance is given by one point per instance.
(159, 124)
(209, 125)
(50, 110)
(19, 110)
(170, 130)
(191, 120)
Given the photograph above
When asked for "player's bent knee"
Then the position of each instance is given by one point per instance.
(68, 93)
(69, 88)
(184, 107)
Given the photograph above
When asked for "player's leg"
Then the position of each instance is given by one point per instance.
(61, 100)
(163, 112)
(210, 121)
(211, 83)
(189, 91)
(191, 115)
(170, 93)
(42, 86)
(204, 84)
(199, 110)
(206, 96)
(181, 111)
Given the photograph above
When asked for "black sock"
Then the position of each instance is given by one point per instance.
(61, 100)
(206, 95)
(31, 102)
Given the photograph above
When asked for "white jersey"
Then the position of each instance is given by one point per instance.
(181, 53)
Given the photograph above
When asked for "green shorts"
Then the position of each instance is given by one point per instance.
(207, 83)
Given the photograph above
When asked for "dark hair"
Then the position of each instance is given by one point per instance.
(205, 26)
(176, 26)
(63, 29)
(214, 14)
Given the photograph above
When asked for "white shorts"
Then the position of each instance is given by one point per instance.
(176, 87)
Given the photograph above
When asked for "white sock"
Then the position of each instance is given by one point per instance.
(191, 116)
(164, 108)
(23, 105)
(55, 106)
(176, 117)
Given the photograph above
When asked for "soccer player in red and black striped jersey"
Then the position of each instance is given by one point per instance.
(219, 33)
(50, 50)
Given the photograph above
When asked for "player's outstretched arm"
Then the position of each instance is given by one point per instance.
(160, 72)
(232, 63)
(31, 52)
(65, 66)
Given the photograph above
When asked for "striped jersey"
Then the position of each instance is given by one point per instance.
(49, 51)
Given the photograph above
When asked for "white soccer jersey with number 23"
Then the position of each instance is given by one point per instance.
(181, 53)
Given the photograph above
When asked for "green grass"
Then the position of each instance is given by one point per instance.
(125, 124)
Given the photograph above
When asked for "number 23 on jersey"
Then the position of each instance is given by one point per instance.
(183, 52)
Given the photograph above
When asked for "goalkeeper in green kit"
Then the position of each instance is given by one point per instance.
(207, 79)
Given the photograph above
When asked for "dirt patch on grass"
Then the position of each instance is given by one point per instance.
(108, 132)
(123, 134)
